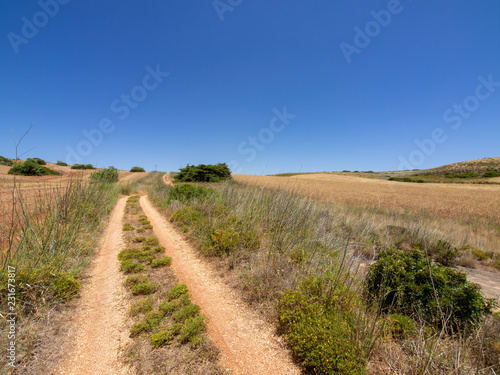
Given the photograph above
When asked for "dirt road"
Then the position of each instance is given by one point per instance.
(247, 343)
(98, 329)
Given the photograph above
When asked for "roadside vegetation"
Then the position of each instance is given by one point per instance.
(137, 169)
(203, 173)
(168, 330)
(31, 167)
(48, 236)
(306, 265)
(5, 161)
(82, 166)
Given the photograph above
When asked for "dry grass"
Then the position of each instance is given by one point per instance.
(461, 213)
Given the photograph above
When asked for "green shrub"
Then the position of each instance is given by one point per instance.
(479, 254)
(444, 253)
(492, 174)
(128, 226)
(462, 175)
(37, 161)
(400, 326)
(162, 262)
(140, 327)
(61, 163)
(186, 192)
(133, 280)
(322, 333)
(177, 291)
(152, 241)
(82, 166)
(158, 249)
(191, 328)
(203, 173)
(31, 168)
(128, 266)
(221, 241)
(144, 288)
(137, 169)
(108, 175)
(142, 306)
(154, 318)
(161, 338)
(65, 286)
(5, 161)
(185, 312)
(128, 254)
(405, 282)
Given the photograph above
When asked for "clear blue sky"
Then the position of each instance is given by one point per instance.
(268, 86)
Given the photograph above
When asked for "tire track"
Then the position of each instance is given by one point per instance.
(98, 328)
(247, 343)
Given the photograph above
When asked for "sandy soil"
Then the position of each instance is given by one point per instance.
(167, 180)
(247, 343)
(98, 328)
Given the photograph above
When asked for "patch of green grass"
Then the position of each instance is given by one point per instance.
(176, 291)
(133, 198)
(132, 280)
(129, 266)
(138, 239)
(144, 288)
(162, 262)
(127, 254)
(191, 329)
(142, 306)
(65, 286)
(152, 241)
(140, 327)
(161, 338)
(158, 249)
(128, 227)
(185, 312)
(148, 226)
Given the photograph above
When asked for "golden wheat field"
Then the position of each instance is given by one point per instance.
(468, 202)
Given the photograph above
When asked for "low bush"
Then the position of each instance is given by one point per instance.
(133, 280)
(65, 287)
(161, 338)
(128, 226)
(162, 262)
(108, 175)
(5, 161)
(142, 306)
(491, 174)
(462, 175)
(407, 282)
(191, 329)
(203, 173)
(144, 288)
(128, 266)
(188, 218)
(31, 168)
(37, 160)
(61, 163)
(185, 312)
(443, 252)
(321, 331)
(128, 254)
(177, 291)
(137, 169)
(82, 166)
